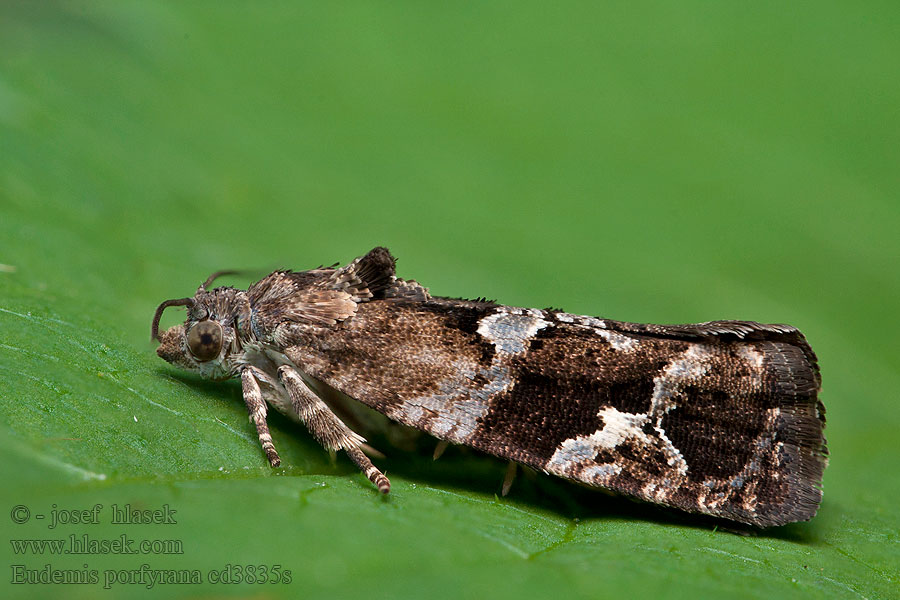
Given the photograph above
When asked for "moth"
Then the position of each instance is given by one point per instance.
(720, 418)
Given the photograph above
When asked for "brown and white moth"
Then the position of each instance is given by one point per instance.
(720, 418)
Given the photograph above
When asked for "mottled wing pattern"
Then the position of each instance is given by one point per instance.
(719, 418)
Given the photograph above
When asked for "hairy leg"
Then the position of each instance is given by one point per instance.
(256, 406)
(326, 428)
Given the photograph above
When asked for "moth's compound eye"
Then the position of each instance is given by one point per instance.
(205, 340)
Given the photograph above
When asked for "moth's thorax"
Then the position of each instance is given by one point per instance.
(262, 356)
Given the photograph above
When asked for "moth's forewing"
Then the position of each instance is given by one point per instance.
(690, 416)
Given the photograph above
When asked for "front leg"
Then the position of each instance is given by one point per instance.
(326, 428)
(256, 406)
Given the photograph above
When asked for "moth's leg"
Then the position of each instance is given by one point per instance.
(440, 448)
(327, 428)
(365, 465)
(256, 406)
(362, 419)
(511, 470)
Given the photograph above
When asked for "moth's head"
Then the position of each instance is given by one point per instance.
(206, 341)
(197, 346)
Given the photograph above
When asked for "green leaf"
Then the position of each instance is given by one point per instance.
(670, 163)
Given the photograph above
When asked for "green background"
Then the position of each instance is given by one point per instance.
(650, 161)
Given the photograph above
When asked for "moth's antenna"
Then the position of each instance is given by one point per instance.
(218, 274)
(154, 329)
